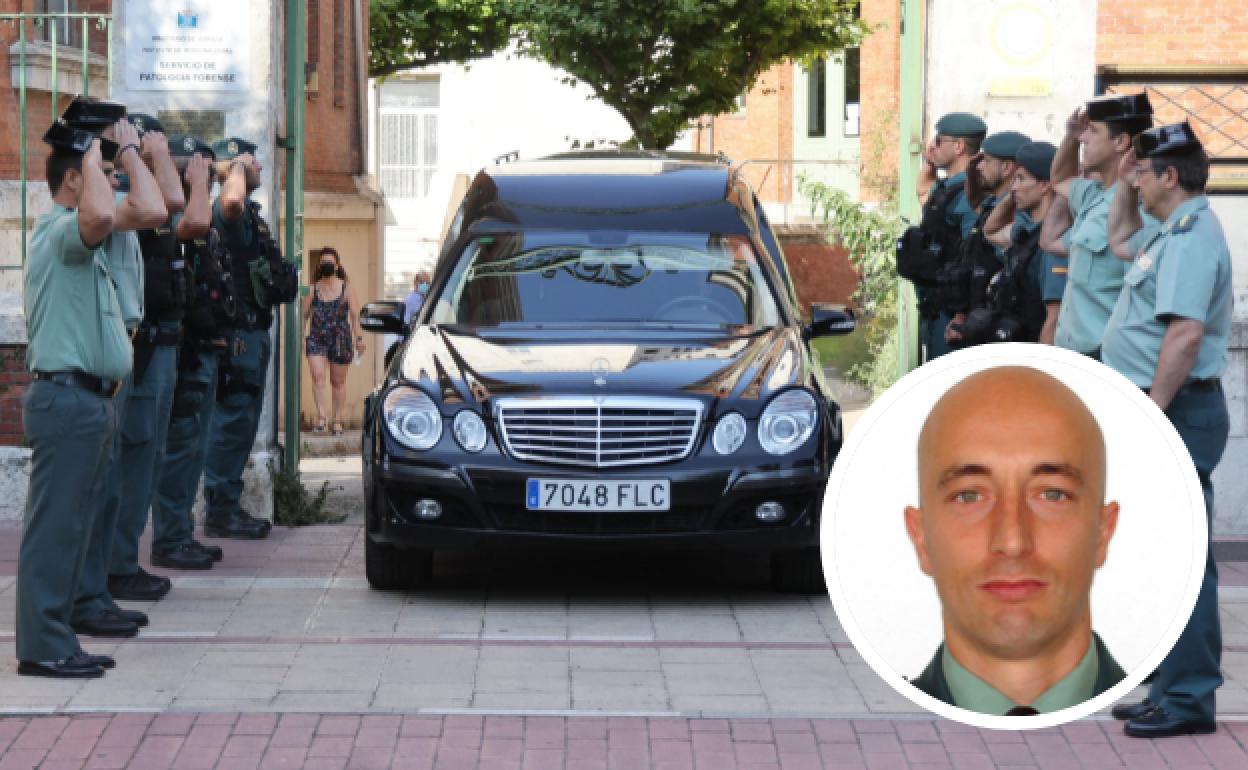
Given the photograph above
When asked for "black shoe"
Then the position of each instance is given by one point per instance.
(1160, 723)
(238, 525)
(106, 625)
(1125, 711)
(214, 551)
(134, 616)
(182, 556)
(141, 586)
(74, 667)
(103, 661)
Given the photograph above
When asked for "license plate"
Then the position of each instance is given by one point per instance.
(581, 495)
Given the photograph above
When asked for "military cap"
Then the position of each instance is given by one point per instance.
(1004, 144)
(92, 114)
(1163, 140)
(185, 145)
(229, 149)
(1037, 158)
(144, 123)
(961, 124)
(1120, 107)
(66, 138)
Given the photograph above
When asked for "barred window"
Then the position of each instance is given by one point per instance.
(407, 135)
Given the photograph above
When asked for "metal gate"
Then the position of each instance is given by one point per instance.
(44, 42)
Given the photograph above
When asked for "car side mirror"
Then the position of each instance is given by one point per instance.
(830, 320)
(383, 317)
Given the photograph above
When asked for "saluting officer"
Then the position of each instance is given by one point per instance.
(95, 611)
(1022, 300)
(1104, 128)
(208, 314)
(1169, 334)
(988, 180)
(241, 388)
(78, 353)
(165, 289)
(957, 140)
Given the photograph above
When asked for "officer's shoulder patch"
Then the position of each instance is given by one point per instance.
(1185, 224)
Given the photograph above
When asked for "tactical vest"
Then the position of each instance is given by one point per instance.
(1013, 309)
(213, 304)
(924, 249)
(961, 285)
(166, 278)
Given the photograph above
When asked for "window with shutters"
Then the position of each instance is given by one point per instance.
(407, 134)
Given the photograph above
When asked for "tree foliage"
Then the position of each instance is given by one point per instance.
(417, 33)
(659, 64)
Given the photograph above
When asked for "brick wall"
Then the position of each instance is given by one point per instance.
(334, 147)
(13, 381)
(880, 86)
(1162, 33)
(762, 131)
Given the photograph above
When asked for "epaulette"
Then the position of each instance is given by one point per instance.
(1185, 224)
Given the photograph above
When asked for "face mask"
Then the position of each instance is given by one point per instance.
(422, 288)
(328, 269)
(123, 182)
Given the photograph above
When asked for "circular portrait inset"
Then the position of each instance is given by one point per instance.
(1013, 536)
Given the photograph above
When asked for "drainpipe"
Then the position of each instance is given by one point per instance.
(296, 28)
(910, 145)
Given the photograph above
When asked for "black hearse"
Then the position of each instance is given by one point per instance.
(610, 352)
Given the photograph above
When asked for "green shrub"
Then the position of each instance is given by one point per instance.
(293, 506)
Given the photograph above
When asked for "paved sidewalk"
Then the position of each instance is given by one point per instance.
(233, 741)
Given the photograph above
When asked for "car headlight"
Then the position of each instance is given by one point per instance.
(469, 430)
(729, 434)
(787, 422)
(412, 417)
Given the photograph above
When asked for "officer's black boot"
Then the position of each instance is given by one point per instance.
(238, 525)
(182, 556)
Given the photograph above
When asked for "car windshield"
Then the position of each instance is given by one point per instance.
(557, 279)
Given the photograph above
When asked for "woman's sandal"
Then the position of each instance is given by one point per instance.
(320, 427)
(337, 429)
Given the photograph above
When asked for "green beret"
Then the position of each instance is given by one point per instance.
(229, 149)
(1037, 158)
(1004, 144)
(961, 124)
(144, 123)
(185, 145)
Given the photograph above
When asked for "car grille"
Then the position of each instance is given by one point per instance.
(602, 432)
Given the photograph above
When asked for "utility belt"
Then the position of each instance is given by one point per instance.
(149, 337)
(98, 385)
(251, 319)
(1199, 386)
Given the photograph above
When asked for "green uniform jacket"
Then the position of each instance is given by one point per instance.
(932, 680)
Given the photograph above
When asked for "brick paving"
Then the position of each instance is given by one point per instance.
(451, 742)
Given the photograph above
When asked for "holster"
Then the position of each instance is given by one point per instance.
(144, 349)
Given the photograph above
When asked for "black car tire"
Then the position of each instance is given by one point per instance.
(798, 571)
(389, 568)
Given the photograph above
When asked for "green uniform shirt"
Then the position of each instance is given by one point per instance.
(1182, 269)
(974, 694)
(73, 318)
(1045, 270)
(125, 263)
(1095, 274)
(959, 212)
(238, 233)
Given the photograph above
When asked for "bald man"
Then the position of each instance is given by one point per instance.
(1012, 523)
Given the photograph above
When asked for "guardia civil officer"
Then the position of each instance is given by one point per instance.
(166, 286)
(1021, 301)
(1104, 129)
(241, 385)
(988, 180)
(1168, 334)
(209, 316)
(140, 205)
(925, 250)
(78, 353)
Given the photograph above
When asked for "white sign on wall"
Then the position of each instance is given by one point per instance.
(187, 46)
